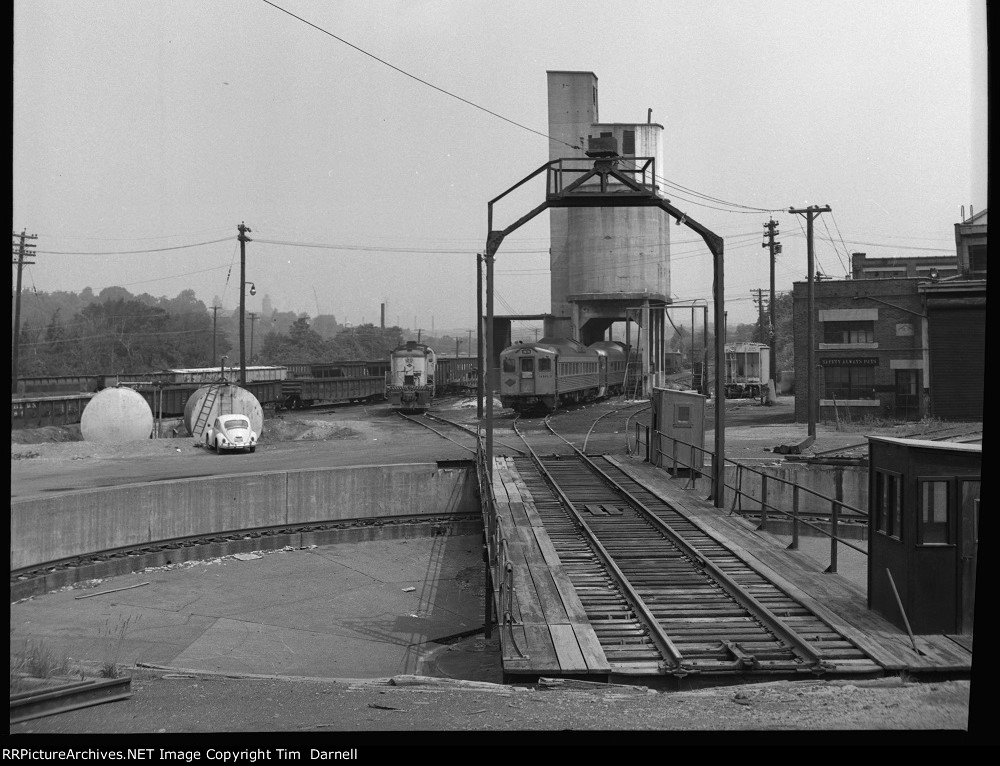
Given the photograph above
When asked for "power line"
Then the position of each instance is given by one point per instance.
(135, 252)
(418, 79)
(672, 184)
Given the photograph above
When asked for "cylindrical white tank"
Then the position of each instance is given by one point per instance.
(221, 399)
(116, 415)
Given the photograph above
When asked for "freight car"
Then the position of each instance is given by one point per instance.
(409, 384)
(62, 384)
(456, 375)
(555, 371)
(747, 370)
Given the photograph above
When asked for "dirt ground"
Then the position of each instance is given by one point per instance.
(164, 702)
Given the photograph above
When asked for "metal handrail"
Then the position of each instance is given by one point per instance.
(499, 561)
(835, 504)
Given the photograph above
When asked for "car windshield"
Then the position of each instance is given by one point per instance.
(236, 423)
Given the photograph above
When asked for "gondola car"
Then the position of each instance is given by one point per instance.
(555, 371)
(410, 380)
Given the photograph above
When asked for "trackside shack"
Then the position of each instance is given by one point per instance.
(923, 500)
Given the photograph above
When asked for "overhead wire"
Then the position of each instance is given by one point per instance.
(135, 252)
(672, 184)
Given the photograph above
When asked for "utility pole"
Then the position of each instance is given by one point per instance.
(215, 316)
(480, 388)
(810, 213)
(468, 344)
(775, 248)
(759, 300)
(243, 229)
(253, 317)
(21, 253)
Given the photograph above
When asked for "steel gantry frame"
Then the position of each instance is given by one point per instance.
(602, 183)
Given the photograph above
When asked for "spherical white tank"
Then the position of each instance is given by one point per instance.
(222, 399)
(116, 415)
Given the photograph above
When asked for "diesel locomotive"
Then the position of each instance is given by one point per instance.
(555, 371)
(410, 381)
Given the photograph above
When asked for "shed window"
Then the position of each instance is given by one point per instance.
(889, 504)
(934, 513)
(977, 257)
(970, 506)
(849, 332)
(682, 415)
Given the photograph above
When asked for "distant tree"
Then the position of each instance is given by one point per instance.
(326, 325)
(113, 294)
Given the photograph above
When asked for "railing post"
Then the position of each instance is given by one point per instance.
(673, 456)
(795, 518)
(833, 536)
(763, 502)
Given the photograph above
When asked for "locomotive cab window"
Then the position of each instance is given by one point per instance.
(508, 365)
(544, 364)
(527, 367)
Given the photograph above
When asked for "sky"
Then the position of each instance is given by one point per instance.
(361, 141)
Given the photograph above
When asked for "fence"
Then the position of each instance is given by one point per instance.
(839, 510)
(499, 564)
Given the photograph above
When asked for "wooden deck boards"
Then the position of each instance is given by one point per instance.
(551, 633)
(838, 601)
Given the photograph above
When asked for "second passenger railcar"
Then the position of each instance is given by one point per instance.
(555, 371)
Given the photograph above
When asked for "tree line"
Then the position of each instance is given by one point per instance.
(114, 332)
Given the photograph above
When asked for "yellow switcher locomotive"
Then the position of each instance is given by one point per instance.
(556, 371)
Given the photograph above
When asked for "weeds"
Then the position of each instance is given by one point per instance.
(38, 660)
(113, 637)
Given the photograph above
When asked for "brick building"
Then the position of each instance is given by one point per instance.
(870, 354)
(926, 266)
(901, 347)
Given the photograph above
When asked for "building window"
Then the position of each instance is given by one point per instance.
(849, 383)
(977, 257)
(849, 332)
(934, 513)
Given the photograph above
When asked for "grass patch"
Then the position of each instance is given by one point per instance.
(113, 637)
(36, 661)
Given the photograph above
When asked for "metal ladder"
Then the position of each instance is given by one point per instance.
(205, 412)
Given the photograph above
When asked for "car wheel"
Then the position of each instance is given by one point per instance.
(253, 449)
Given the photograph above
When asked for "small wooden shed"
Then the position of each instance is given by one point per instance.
(677, 441)
(923, 501)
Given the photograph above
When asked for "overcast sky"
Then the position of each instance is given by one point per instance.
(158, 125)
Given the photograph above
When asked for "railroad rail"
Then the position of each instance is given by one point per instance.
(662, 595)
(34, 580)
(423, 417)
(25, 706)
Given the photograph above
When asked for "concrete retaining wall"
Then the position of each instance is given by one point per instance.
(846, 483)
(50, 528)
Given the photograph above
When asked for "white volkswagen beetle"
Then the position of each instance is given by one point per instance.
(231, 432)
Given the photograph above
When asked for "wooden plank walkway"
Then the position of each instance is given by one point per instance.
(841, 603)
(551, 634)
